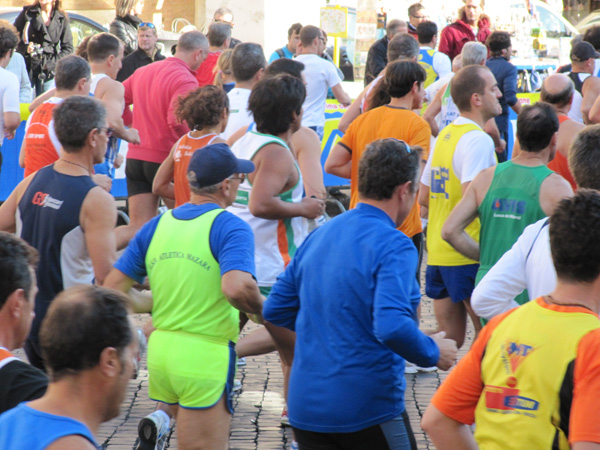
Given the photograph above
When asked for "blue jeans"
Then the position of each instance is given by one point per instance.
(395, 434)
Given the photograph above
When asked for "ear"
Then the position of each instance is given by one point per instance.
(81, 84)
(110, 59)
(14, 303)
(110, 363)
(92, 137)
(259, 74)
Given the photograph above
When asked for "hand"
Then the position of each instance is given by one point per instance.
(9, 134)
(501, 147)
(133, 136)
(118, 161)
(447, 348)
(313, 207)
(30, 47)
(256, 318)
(103, 181)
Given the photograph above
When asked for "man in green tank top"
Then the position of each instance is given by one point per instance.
(511, 195)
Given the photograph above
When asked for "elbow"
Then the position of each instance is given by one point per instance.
(343, 126)
(448, 234)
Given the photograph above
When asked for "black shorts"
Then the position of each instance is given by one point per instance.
(140, 175)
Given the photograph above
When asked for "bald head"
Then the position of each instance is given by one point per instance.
(557, 90)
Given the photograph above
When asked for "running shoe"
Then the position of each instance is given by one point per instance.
(153, 431)
(410, 368)
(294, 446)
(285, 420)
(427, 369)
(241, 362)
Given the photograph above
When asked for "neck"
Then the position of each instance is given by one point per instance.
(47, 8)
(293, 52)
(215, 129)
(475, 116)
(471, 22)
(287, 137)
(586, 295)
(196, 199)
(533, 159)
(98, 69)
(75, 163)
(245, 84)
(5, 60)
(309, 51)
(6, 336)
(563, 111)
(151, 52)
(405, 102)
(76, 397)
(387, 206)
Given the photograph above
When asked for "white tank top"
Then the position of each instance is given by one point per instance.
(96, 77)
(275, 241)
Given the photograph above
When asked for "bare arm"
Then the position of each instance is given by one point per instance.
(424, 196)
(585, 446)
(590, 92)
(98, 219)
(492, 129)
(112, 96)
(140, 303)
(352, 112)
(553, 189)
(461, 216)
(8, 209)
(41, 99)
(241, 290)
(237, 135)
(339, 162)
(433, 109)
(272, 176)
(340, 94)
(12, 120)
(308, 153)
(163, 180)
(445, 432)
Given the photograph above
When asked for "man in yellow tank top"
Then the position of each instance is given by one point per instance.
(524, 384)
(462, 150)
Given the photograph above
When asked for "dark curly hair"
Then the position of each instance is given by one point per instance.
(8, 37)
(203, 107)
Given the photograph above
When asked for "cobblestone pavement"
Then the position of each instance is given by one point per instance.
(256, 422)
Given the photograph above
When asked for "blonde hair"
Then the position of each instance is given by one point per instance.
(124, 6)
(223, 68)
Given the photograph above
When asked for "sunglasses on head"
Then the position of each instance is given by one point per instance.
(146, 24)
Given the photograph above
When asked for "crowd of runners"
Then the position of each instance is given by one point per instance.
(231, 146)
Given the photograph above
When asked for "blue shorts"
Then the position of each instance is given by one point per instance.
(456, 282)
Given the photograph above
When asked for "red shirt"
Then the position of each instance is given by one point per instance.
(205, 74)
(457, 34)
(154, 90)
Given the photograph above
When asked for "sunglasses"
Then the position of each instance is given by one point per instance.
(146, 24)
(109, 131)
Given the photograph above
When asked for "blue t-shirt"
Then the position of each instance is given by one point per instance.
(351, 295)
(231, 242)
(275, 55)
(27, 428)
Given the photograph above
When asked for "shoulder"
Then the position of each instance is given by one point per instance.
(98, 202)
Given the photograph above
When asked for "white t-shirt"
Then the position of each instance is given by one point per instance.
(474, 152)
(51, 132)
(9, 94)
(575, 111)
(239, 116)
(527, 265)
(441, 63)
(320, 76)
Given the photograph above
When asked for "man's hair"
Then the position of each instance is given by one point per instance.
(393, 26)
(575, 237)
(285, 65)
(402, 46)
(218, 33)
(9, 38)
(222, 11)
(308, 33)
(415, 8)
(69, 70)
(400, 76)
(561, 98)
(124, 6)
(467, 81)
(274, 100)
(75, 118)
(536, 125)
(426, 31)
(584, 158)
(498, 41)
(592, 35)
(16, 259)
(202, 107)
(101, 46)
(248, 58)
(295, 28)
(473, 54)
(386, 164)
(146, 28)
(191, 41)
(81, 322)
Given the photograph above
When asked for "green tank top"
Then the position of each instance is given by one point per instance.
(511, 204)
(186, 280)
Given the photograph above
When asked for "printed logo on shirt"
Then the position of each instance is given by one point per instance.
(46, 201)
(439, 176)
(513, 355)
(508, 208)
(507, 401)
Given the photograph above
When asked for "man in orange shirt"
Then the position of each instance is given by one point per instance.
(394, 120)
(529, 386)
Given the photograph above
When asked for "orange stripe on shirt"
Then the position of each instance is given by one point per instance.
(282, 243)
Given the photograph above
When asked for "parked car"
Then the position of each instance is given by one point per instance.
(589, 21)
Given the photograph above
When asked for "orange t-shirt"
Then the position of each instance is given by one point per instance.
(560, 165)
(495, 381)
(382, 123)
(186, 146)
(38, 146)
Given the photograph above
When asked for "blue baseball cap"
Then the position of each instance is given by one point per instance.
(213, 163)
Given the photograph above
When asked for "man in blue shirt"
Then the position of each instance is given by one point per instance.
(288, 50)
(354, 314)
(506, 76)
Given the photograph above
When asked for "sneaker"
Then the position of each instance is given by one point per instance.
(241, 362)
(294, 446)
(285, 420)
(427, 369)
(153, 431)
(410, 368)
(237, 386)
